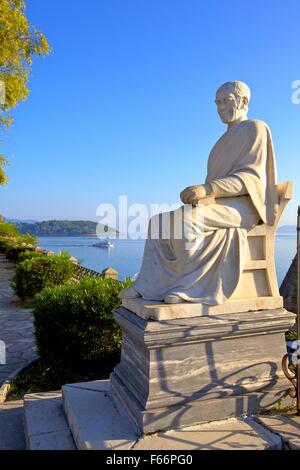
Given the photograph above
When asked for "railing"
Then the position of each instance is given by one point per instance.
(107, 273)
(292, 369)
(82, 271)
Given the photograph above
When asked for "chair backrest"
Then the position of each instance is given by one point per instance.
(285, 194)
(285, 190)
(259, 276)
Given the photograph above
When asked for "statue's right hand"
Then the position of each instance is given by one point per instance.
(184, 195)
(193, 194)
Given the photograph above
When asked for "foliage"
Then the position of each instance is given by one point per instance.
(19, 43)
(291, 336)
(63, 228)
(12, 243)
(3, 244)
(8, 229)
(38, 272)
(28, 254)
(3, 176)
(43, 377)
(74, 324)
(13, 250)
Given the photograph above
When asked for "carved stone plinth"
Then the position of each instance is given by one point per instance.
(192, 370)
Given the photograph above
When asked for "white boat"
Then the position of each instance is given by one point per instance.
(104, 244)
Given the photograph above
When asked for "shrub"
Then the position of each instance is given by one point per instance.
(12, 244)
(4, 242)
(13, 250)
(74, 324)
(8, 230)
(38, 272)
(28, 254)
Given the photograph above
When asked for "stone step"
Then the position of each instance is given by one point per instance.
(87, 412)
(11, 426)
(97, 424)
(45, 425)
(285, 426)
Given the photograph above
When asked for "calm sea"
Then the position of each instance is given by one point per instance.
(126, 255)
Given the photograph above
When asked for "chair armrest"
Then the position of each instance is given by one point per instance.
(285, 190)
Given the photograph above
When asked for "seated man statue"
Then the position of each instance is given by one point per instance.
(241, 182)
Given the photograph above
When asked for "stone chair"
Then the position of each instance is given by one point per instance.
(259, 279)
(257, 289)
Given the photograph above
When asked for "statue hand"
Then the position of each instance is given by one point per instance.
(193, 194)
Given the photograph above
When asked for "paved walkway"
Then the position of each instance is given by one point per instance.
(12, 435)
(16, 327)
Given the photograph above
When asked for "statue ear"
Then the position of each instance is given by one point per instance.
(245, 102)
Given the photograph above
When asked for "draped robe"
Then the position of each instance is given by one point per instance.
(241, 172)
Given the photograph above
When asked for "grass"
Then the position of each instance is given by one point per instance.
(41, 377)
(291, 336)
(280, 408)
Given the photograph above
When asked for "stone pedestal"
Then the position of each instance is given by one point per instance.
(186, 371)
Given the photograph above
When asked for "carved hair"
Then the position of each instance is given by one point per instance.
(240, 89)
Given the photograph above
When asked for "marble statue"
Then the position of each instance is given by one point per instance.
(241, 188)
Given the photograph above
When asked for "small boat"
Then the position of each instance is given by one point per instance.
(104, 244)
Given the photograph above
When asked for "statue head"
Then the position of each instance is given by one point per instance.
(232, 100)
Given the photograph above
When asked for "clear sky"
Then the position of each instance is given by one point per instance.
(124, 105)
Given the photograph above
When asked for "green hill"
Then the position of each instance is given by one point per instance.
(67, 228)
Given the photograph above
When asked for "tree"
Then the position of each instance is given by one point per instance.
(19, 42)
(3, 177)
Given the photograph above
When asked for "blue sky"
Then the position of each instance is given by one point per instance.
(124, 105)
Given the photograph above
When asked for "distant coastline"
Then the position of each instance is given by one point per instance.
(87, 228)
(87, 235)
(288, 229)
(65, 228)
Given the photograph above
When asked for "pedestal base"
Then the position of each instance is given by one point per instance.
(193, 370)
(97, 425)
(150, 310)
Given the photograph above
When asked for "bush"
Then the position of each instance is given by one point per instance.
(74, 324)
(4, 242)
(28, 254)
(8, 230)
(38, 272)
(13, 250)
(12, 243)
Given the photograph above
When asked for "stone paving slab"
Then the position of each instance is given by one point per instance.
(95, 422)
(11, 426)
(231, 434)
(286, 426)
(46, 427)
(16, 330)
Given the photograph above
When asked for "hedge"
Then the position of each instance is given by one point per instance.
(9, 230)
(12, 243)
(13, 250)
(38, 272)
(29, 254)
(74, 324)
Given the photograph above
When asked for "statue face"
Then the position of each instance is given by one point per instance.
(231, 107)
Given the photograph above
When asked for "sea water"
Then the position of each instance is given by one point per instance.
(126, 255)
